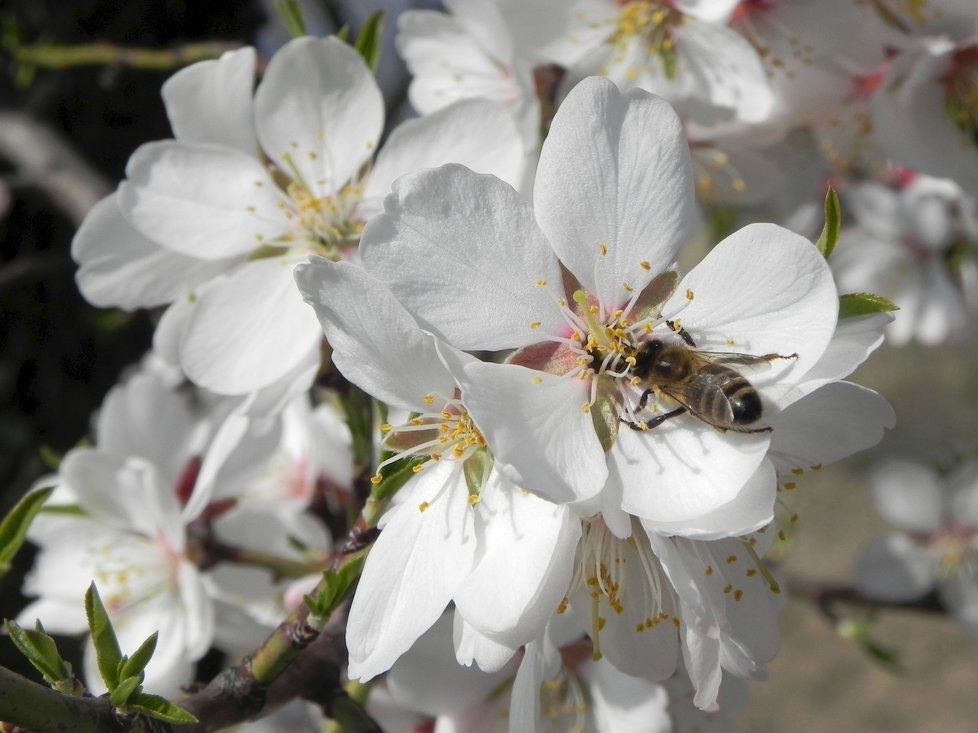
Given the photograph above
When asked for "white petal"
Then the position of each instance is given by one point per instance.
(119, 267)
(854, 340)
(723, 75)
(427, 679)
(959, 593)
(828, 425)
(762, 290)
(210, 101)
(710, 11)
(197, 611)
(473, 647)
(615, 176)
(751, 508)
(249, 329)
(908, 495)
(683, 469)
(963, 500)
(894, 568)
(464, 255)
(318, 111)
(376, 344)
(144, 418)
(412, 571)
(476, 133)
(205, 201)
(533, 422)
(625, 703)
(519, 531)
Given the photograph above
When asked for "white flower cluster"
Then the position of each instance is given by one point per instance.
(598, 440)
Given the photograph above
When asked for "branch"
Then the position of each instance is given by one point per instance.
(45, 160)
(56, 56)
(41, 709)
(825, 595)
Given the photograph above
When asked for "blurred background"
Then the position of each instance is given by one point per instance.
(65, 135)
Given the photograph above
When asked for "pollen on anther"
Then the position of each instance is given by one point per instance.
(428, 399)
(541, 283)
(537, 380)
(645, 264)
(418, 469)
(628, 288)
(738, 594)
(789, 485)
(689, 294)
(473, 499)
(535, 325)
(751, 572)
(423, 506)
(709, 570)
(731, 559)
(376, 479)
(603, 248)
(586, 408)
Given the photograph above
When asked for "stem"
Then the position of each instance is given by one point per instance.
(824, 595)
(54, 56)
(35, 707)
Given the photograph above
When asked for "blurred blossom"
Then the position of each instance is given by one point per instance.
(937, 547)
(169, 467)
(916, 243)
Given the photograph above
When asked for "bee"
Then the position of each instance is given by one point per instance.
(704, 383)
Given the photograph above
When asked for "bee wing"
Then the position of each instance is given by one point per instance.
(748, 362)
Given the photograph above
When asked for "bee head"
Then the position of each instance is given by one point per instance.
(645, 357)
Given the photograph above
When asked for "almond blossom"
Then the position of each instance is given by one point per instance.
(612, 205)
(217, 218)
(916, 243)
(937, 547)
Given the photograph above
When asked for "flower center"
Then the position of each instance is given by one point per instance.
(961, 94)
(651, 23)
(432, 436)
(620, 577)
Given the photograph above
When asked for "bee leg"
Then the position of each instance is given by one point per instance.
(683, 333)
(644, 399)
(744, 430)
(655, 421)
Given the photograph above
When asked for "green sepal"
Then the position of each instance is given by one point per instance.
(160, 708)
(64, 510)
(859, 631)
(41, 651)
(267, 251)
(370, 42)
(125, 689)
(50, 457)
(357, 407)
(108, 655)
(333, 588)
(476, 469)
(604, 414)
(134, 665)
(13, 528)
(291, 12)
(833, 223)
(863, 304)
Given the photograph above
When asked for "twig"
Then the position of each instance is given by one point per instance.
(825, 595)
(45, 160)
(56, 56)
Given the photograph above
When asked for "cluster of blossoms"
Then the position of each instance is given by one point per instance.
(776, 97)
(597, 441)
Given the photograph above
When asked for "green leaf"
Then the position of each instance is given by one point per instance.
(40, 650)
(13, 528)
(833, 223)
(863, 304)
(291, 12)
(333, 588)
(124, 690)
(108, 655)
(370, 42)
(140, 658)
(160, 708)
